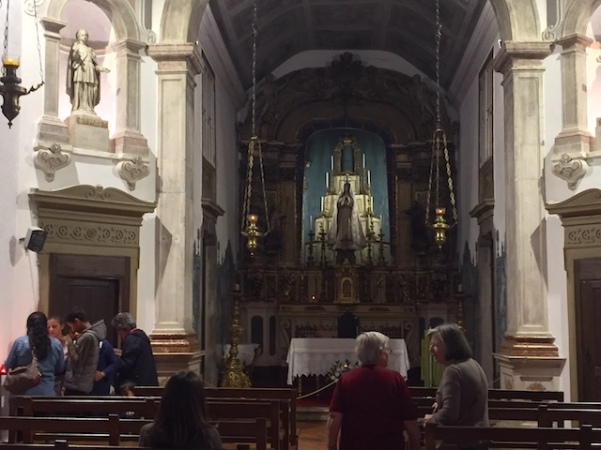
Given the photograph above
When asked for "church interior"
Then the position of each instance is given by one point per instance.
(250, 178)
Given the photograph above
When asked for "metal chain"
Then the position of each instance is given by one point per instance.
(5, 53)
(37, 32)
(249, 183)
(268, 227)
(438, 36)
(254, 68)
(450, 182)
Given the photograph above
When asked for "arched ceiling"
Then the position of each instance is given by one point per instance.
(403, 27)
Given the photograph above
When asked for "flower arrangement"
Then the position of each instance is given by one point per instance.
(338, 368)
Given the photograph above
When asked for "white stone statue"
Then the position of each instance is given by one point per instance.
(83, 75)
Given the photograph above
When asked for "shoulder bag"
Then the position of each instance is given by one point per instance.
(20, 379)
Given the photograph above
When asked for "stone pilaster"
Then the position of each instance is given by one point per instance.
(173, 337)
(528, 342)
(127, 138)
(52, 130)
(574, 142)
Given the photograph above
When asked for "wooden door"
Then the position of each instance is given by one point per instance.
(97, 284)
(588, 324)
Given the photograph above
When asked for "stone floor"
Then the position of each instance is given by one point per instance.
(312, 435)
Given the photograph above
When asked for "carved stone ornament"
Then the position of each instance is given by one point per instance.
(570, 169)
(50, 159)
(133, 171)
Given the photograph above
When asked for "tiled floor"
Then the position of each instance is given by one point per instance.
(311, 435)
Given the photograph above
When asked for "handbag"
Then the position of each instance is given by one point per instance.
(20, 379)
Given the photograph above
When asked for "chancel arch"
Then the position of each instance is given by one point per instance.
(365, 156)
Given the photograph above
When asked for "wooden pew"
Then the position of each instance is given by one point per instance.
(498, 394)
(60, 406)
(64, 445)
(225, 410)
(78, 428)
(541, 438)
(286, 395)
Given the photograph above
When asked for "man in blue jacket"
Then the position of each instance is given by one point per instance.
(138, 367)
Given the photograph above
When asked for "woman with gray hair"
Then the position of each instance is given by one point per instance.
(371, 404)
(138, 367)
(462, 397)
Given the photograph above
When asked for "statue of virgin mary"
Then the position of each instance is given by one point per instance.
(346, 232)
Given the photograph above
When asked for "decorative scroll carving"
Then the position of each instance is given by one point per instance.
(133, 171)
(59, 231)
(50, 159)
(555, 16)
(583, 236)
(570, 169)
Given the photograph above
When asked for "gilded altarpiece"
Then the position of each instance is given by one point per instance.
(346, 215)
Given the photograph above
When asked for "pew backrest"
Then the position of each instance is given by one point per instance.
(539, 437)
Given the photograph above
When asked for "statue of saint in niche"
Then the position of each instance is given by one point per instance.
(346, 232)
(83, 75)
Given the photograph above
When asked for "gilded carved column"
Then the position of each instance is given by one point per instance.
(528, 358)
(173, 338)
(574, 141)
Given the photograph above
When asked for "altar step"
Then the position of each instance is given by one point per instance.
(312, 413)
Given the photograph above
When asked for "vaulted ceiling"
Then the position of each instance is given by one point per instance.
(404, 27)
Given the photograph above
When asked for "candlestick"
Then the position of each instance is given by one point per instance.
(321, 203)
(327, 181)
(369, 178)
(331, 163)
(364, 160)
(310, 223)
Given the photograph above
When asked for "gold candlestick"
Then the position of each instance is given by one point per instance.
(235, 376)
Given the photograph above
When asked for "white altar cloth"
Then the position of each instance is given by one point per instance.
(316, 356)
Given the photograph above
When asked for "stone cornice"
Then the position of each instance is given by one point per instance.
(129, 45)
(483, 210)
(574, 41)
(515, 51)
(176, 52)
(212, 209)
(91, 199)
(52, 26)
(584, 204)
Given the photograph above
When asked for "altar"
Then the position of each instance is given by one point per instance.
(316, 356)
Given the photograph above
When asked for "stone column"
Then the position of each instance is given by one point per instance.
(528, 358)
(52, 130)
(574, 142)
(173, 338)
(128, 138)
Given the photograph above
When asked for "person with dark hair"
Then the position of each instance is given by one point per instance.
(181, 420)
(371, 405)
(47, 350)
(462, 397)
(137, 360)
(83, 343)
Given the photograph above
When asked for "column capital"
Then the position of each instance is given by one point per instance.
(129, 46)
(165, 54)
(51, 26)
(574, 42)
(512, 51)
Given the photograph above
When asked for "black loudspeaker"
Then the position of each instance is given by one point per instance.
(35, 239)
